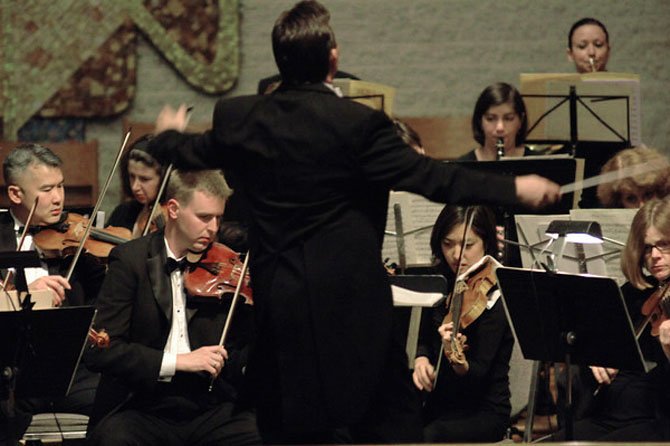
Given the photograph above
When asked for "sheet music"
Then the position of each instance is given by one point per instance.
(615, 224)
(531, 230)
(402, 297)
(418, 217)
(377, 96)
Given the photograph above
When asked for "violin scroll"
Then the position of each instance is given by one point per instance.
(657, 308)
(98, 339)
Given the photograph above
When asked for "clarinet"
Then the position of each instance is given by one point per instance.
(500, 148)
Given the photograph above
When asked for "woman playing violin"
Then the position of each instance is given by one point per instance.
(141, 176)
(635, 406)
(469, 402)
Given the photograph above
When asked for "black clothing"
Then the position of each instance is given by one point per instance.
(264, 83)
(472, 156)
(135, 307)
(316, 170)
(85, 282)
(635, 404)
(125, 214)
(458, 406)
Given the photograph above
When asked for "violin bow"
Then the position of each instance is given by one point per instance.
(19, 245)
(159, 194)
(231, 311)
(457, 303)
(89, 226)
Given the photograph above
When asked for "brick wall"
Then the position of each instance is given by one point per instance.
(439, 54)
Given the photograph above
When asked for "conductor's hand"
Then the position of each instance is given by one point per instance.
(210, 359)
(535, 191)
(56, 284)
(603, 375)
(424, 374)
(171, 119)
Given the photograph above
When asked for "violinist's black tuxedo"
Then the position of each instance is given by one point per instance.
(316, 171)
(135, 307)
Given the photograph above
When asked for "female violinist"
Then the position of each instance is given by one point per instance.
(469, 401)
(635, 406)
(140, 176)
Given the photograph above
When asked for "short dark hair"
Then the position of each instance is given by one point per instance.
(138, 151)
(301, 42)
(497, 94)
(483, 224)
(586, 21)
(24, 155)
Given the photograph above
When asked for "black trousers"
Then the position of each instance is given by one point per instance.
(216, 426)
(394, 416)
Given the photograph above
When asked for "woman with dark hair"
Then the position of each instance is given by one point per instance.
(470, 401)
(141, 176)
(500, 115)
(588, 45)
(633, 405)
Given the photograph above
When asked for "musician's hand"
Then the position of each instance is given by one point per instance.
(500, 237)
(210, 359)
(424, 374)
(664, 337)
(536, 191)
(446, 331)
(603, 375)
(56, 284)
(171, 119)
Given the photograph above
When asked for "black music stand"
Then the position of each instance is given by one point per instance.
(570, 318)
(40, 349)
(561, 170)
(594, 153)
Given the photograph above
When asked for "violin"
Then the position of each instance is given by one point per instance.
(215, 272)
(63, 238)
(656, 308)
(468, 302)
(156, 223)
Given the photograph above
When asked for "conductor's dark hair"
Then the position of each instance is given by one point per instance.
(301, 42)
(498, 94)
(587, 21)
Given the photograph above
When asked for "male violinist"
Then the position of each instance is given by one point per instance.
(164, 350)
(33, 171)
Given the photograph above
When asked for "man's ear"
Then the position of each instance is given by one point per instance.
(172, 207)
(15, 194)
(333, 59)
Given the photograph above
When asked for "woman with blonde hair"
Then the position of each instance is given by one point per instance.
(634, 191)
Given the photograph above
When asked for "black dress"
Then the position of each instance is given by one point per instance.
(474, 407)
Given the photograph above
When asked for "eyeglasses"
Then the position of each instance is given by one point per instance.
(663, 247)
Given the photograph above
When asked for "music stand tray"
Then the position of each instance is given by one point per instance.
(57, 338)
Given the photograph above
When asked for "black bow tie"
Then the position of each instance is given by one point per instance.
(32, 230)
(173, 265)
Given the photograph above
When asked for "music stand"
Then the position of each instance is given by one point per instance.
(561, 170)
(428, 291)
(40, 352)
(570, 318)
